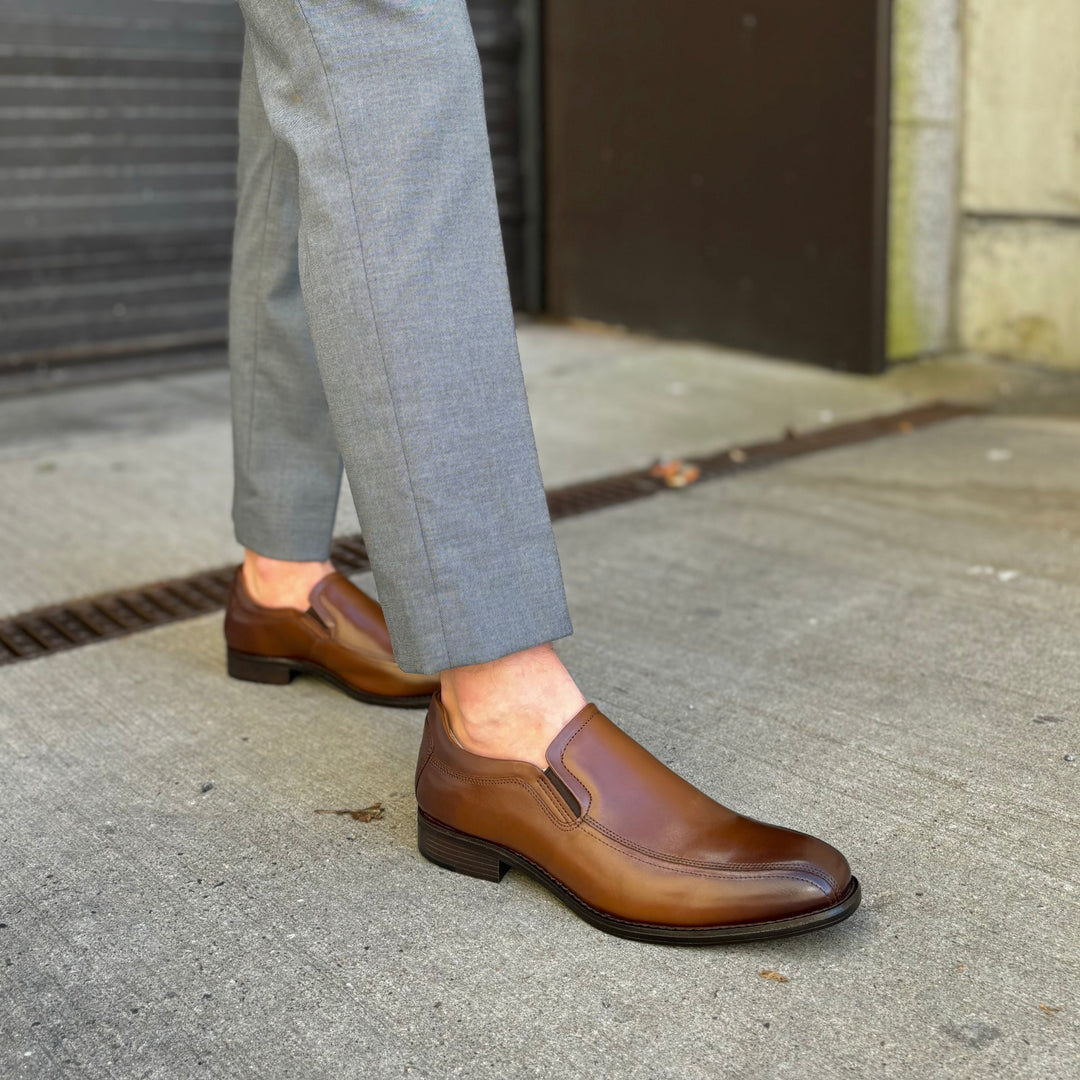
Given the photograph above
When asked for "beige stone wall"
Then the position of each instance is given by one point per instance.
(1019, 272)
(1022, 107)
(986, 182)
(925, 143)
(1019, 290)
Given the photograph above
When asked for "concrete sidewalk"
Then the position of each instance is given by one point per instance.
(880, 644)
(115, 485)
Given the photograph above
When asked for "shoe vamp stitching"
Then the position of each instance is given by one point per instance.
(721, 872)
(701, 864)
(442, 766)
(631, 922)
(665, 858)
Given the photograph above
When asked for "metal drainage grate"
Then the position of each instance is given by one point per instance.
(625, 487)
(53, 629)
(99, 618)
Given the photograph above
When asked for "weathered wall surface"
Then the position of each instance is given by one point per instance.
(1022, 107)
(925, 138)
(1019, 290)
(985, 213)
(1019, 287)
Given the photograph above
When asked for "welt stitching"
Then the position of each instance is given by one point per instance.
(378, 337)
(787, 864)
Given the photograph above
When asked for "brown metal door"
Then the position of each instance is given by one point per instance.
(717, 169)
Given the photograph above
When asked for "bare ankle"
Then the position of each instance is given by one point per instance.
(282, 583)
(512, 707)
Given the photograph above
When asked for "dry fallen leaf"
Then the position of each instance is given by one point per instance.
(675, 473)
(768, 973)
(369, 813)
(690, 474)
(1050, 1008)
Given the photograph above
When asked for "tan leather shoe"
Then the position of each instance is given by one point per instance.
(627, 844)
(342, 639)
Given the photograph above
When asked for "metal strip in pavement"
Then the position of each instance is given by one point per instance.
(44, 631)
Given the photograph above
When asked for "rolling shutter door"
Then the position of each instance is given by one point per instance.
(117, 170)
(117, 161)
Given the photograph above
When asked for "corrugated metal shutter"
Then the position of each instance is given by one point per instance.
(117, 170)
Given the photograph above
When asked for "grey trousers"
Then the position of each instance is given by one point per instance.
(370, 321)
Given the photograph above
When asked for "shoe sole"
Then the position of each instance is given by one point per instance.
(469, 855)
(280, 671)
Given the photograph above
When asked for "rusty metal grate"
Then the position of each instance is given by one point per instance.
(99, 618)
(53, 629)
(625, 487)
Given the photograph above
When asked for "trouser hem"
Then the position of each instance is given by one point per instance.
(274, 542)
(540, 633)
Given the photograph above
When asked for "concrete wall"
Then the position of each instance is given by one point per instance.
(925, 151)
(985, 250)
(1019, 288)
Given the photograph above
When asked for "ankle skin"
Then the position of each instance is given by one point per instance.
(512, 707)
(280, 583)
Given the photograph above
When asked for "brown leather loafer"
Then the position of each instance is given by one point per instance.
(630, 846)
(342, 639)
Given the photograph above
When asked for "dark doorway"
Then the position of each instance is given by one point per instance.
(717, 169)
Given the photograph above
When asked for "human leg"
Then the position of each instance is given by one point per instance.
(511, 707)
(404, 282)
(288, 611)
(287, 470)
(405, 288)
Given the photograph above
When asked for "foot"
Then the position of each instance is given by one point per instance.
(630, 846)
(513, 707)
(338, 635)
(281, 583)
